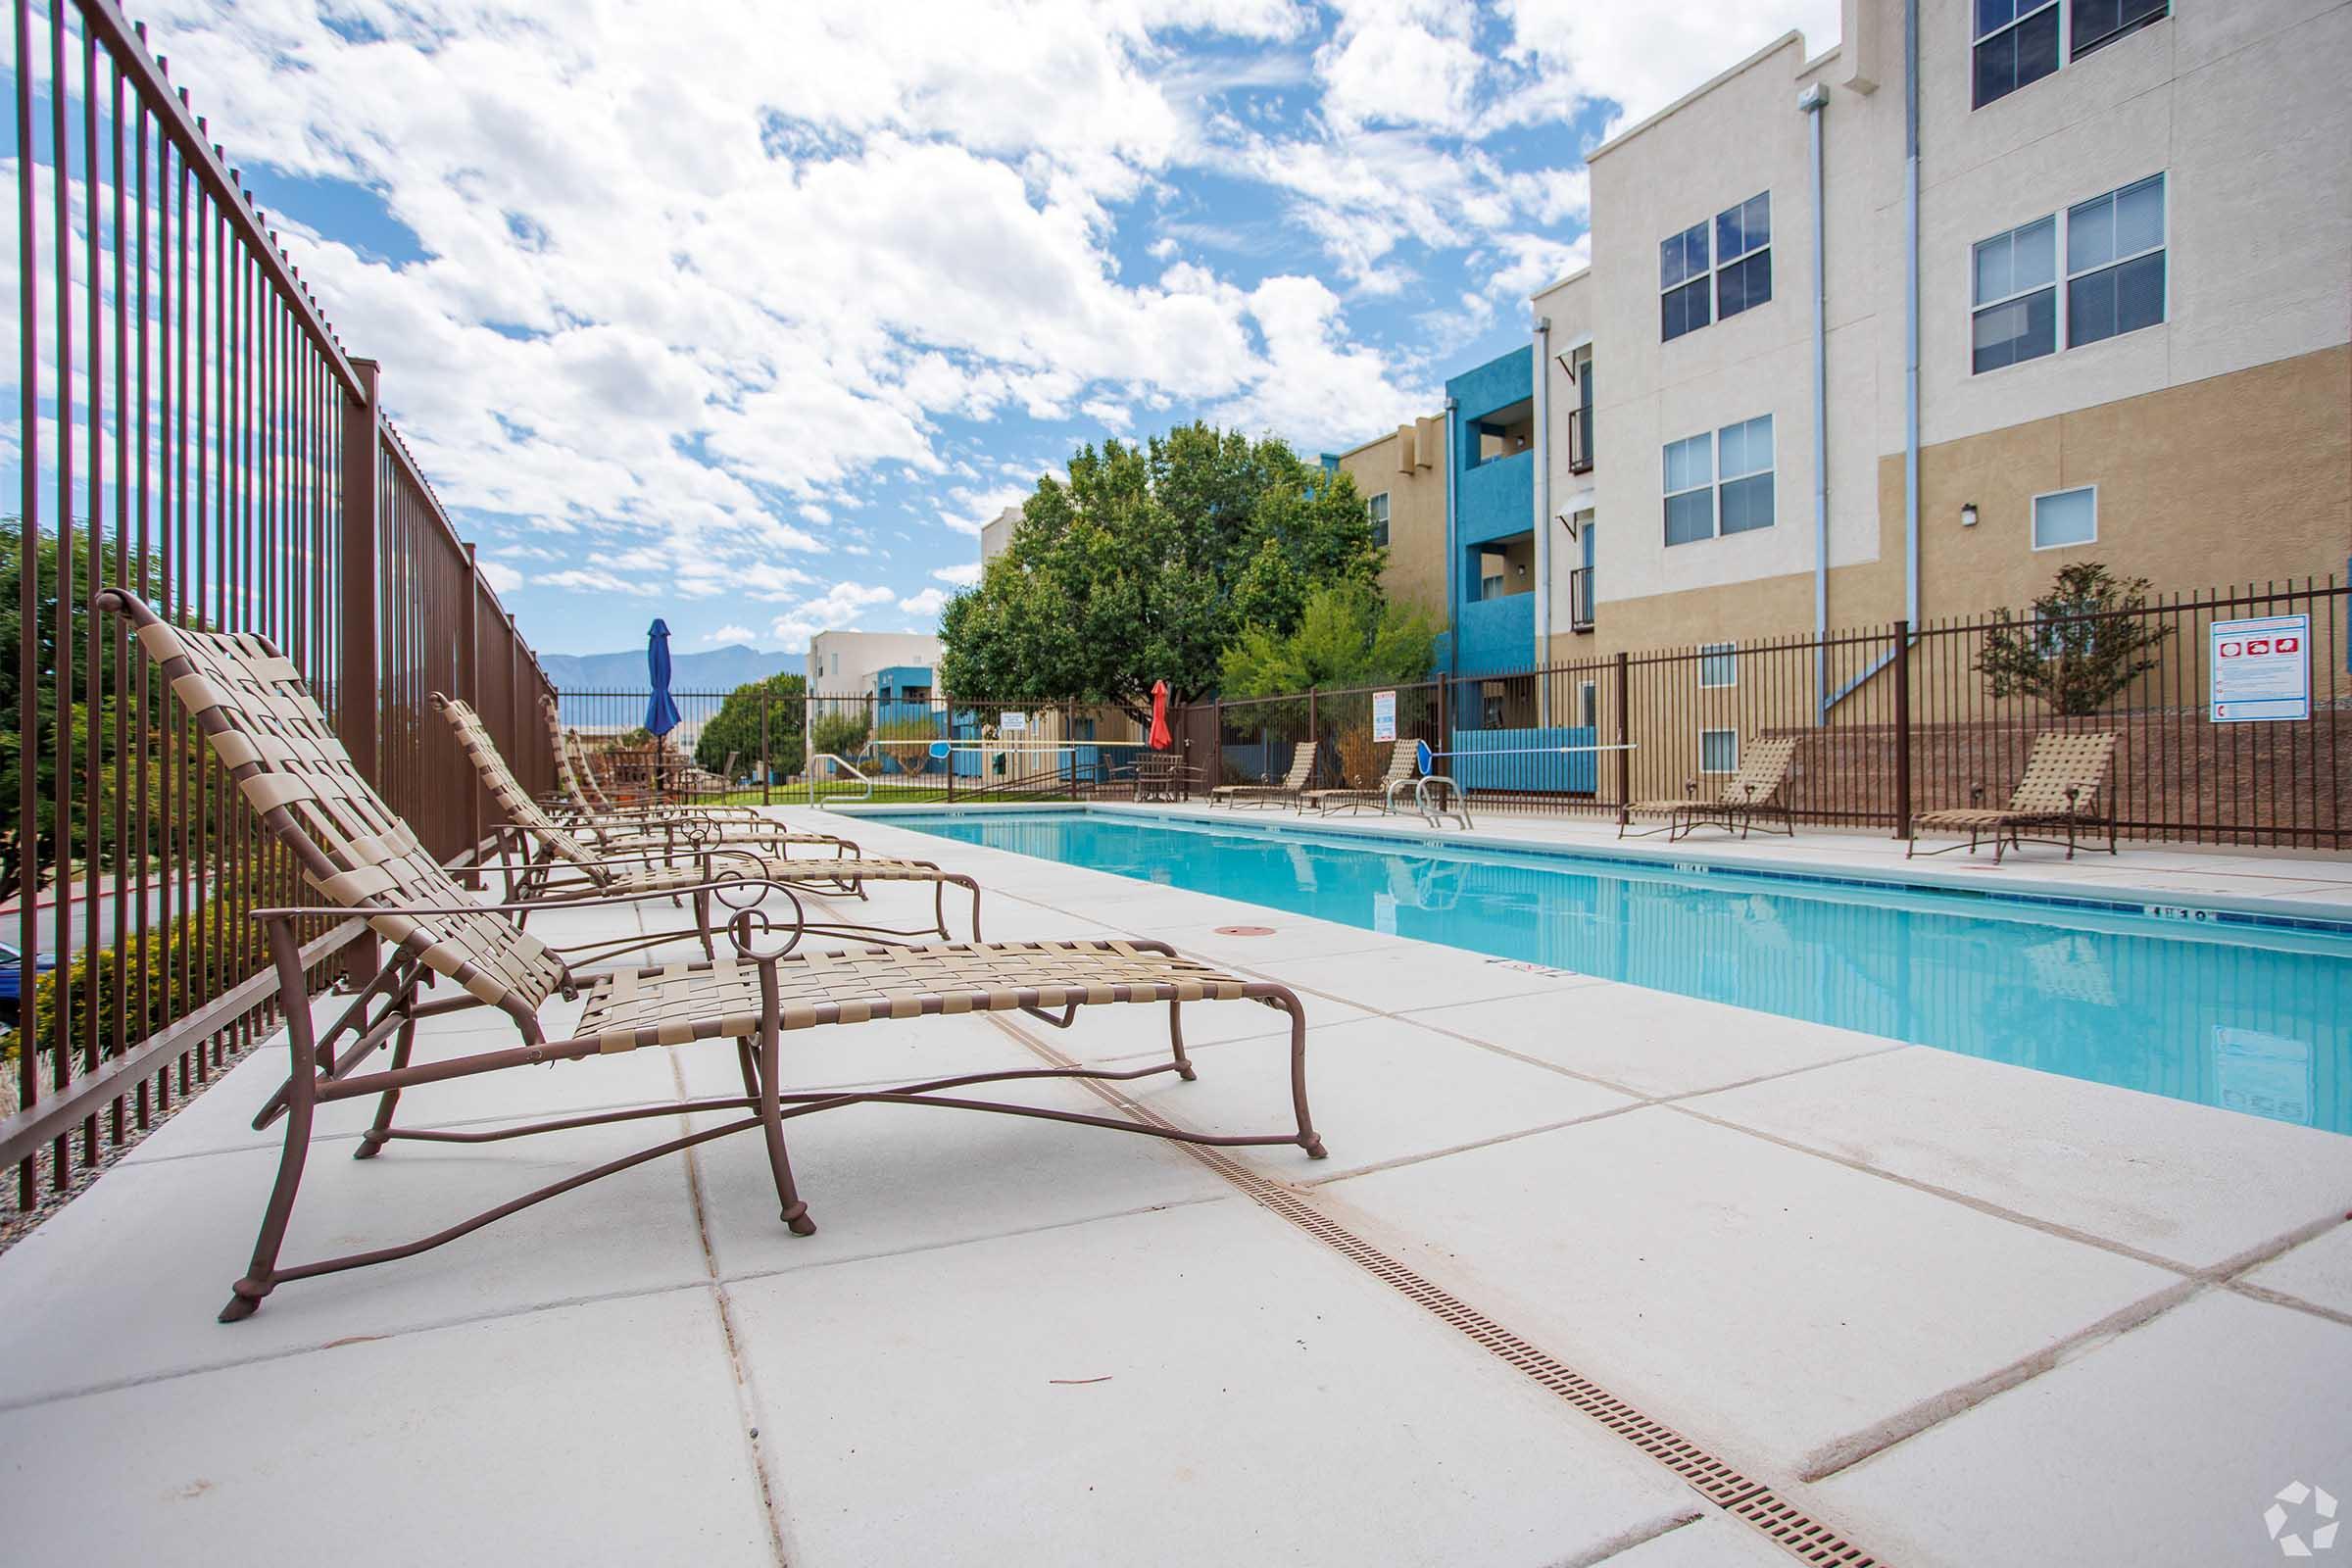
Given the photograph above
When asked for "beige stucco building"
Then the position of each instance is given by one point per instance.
(1402, 478)
(2133, 304)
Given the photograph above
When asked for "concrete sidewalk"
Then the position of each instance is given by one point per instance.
(1959, 1313)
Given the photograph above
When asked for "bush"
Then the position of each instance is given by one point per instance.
(840, 734)
(180, 975)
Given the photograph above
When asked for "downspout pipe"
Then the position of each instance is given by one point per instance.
(1911, 312)
(1453, 563)
(1814, 100)
(1542, 535)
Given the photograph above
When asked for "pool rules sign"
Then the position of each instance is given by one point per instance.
(2261, 670)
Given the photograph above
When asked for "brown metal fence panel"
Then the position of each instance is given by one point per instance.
(192, 431)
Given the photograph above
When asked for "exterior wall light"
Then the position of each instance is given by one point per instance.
(1968, 515)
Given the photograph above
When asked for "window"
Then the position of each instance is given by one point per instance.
(2016, 293)
(1491, 714)
(1683, 283)
(2115, 263)
(1587, 704)
(1744, 257)
(1745, 462)
(1491, 586)
(1689, 295)
(2066, 517)
(1720, 482)
(1378, 507)
(1690, 489)
(1718, 664)
(1719, 751)
(2101, 22)
(2017, 45)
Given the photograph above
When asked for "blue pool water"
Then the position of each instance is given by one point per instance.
(2253, 1018)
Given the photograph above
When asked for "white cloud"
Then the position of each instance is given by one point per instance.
(1402, 62)
(729, 634)
(1644, 56)
(840, 607)
(926, 604)
(961, 575)
(502, 577)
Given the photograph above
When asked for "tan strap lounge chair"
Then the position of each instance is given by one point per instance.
(1380, 797)
(268, 730)
(568, 862)
(579, 794)
(1289, 792)
(2063, 785)
(1754, 791)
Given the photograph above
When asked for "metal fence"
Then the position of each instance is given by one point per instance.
(1892, 722)
(193, 430)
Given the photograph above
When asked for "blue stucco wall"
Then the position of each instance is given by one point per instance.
(1497, 500)
(1494, 634)
(1496, 384)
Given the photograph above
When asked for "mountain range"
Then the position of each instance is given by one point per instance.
(720, 670)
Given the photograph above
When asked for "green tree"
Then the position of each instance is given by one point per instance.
(1147, 563)
(2087, 644)
(842, 735)
(93, 826)
(1346, 635)
(734, 730)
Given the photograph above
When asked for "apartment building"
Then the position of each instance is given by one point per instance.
(1402, 478)
(2132, 278)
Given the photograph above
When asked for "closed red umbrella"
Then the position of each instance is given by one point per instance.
(1161, 740)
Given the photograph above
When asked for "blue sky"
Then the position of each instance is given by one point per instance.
(749, 315)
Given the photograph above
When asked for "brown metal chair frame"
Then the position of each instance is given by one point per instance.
(1749, 794)
(2066, 769)
(252, 706)
(1380, 797)
(1290, 791)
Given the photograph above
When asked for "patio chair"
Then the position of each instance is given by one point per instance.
(365, 863)
(579, 801)
(1291, 788)
(1752, 792)
(1380, 797)
(2063, 785)
(563, 861)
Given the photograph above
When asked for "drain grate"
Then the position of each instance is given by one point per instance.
(1781, 1521)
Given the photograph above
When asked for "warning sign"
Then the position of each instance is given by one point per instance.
(1384, 715)
(2261, 670)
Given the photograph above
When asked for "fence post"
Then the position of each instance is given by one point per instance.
(1314, 739)
(1216, 741)
(360, 694)
(947, 706)
(1902, 729)
(768, 771)
(1624, 789)
(470, 679)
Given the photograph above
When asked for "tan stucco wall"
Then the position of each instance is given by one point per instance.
(1416, 492)
(2242, 478)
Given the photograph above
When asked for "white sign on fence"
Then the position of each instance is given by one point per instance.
(2261, 670)
(1384, 715)
(1008, 723)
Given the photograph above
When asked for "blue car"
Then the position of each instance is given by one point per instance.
(12, 1000)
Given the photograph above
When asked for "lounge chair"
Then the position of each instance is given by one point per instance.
(268, 730)
(1380, 797)
(579, 802)
(559, 860)
(2063, 785)
(1292, 786)
(1752, 792)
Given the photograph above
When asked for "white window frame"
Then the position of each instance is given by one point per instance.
(2033, 518)
(1383, 518)
(1587, 704)
(1715, 273)
(1728, 652)
(2067, 275)
(1717, 773)
(2057, 284)
(2066, 34)
(1706, 276)
(1714, 500)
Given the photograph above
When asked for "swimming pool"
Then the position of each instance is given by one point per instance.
(2218, 1009)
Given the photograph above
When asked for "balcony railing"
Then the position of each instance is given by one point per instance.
(1579, 599)
(1579, 439)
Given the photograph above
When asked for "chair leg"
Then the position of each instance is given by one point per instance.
(1307, 1139)
(372, 1140)
(795, 1213)
(1184, 1064)
(260, 1276)
(702, 923)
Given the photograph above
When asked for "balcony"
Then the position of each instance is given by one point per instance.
(1579, 439)
(1498, 498)
(1579, 599)
(1496, 633)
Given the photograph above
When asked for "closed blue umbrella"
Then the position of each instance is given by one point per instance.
(660, 711)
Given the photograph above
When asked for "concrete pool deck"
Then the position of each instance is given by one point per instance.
(1958, 1312)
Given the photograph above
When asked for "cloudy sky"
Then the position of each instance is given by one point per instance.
(748, 314)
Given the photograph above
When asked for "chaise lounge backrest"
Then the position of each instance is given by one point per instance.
(290, 765)
(1763, 770)
(506, 790)
(567, 782)
(2063, 760)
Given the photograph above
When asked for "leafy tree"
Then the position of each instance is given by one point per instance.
(2087, 645)
(1147, 563)
(840, 734)
(734, 730)
(93, 827)
(1346, 635)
